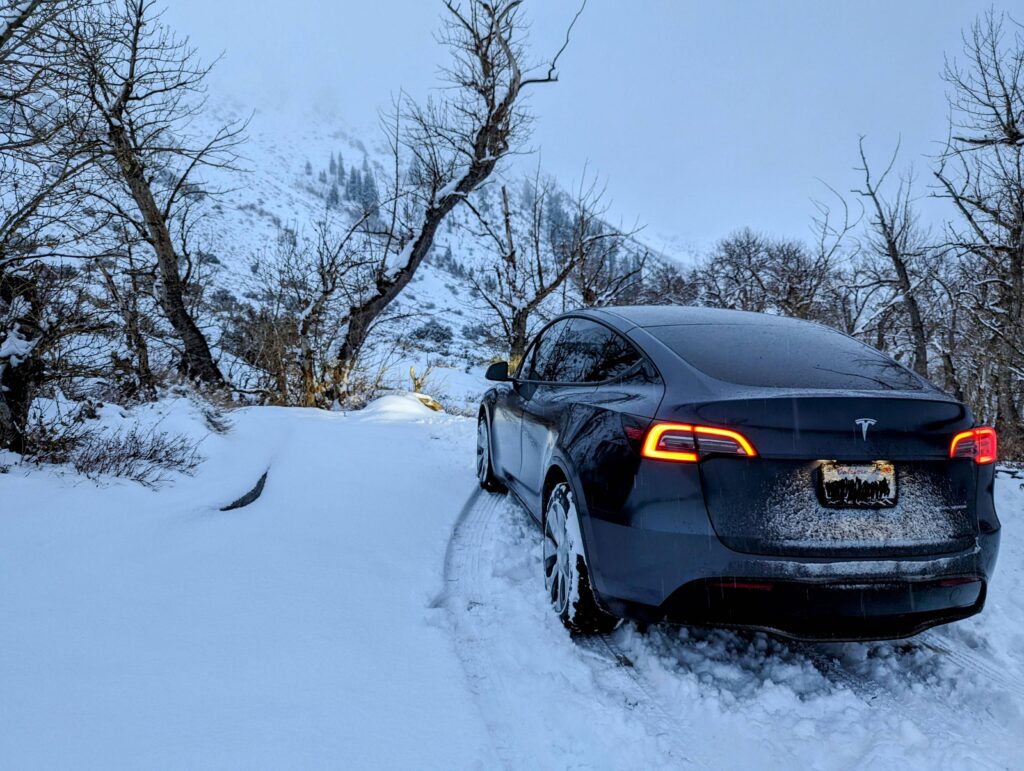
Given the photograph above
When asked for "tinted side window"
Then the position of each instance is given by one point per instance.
(591, 353)
(539, 361)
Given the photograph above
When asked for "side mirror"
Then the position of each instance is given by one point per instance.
(498, 372)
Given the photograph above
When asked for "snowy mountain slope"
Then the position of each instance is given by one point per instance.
(287, 177)
(298, 173)
(373, 609)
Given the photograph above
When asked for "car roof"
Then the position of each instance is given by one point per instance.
(646, 325)
(630, 316)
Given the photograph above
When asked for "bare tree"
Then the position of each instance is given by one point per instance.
(982, 174)
(128, 282)
(333, 260)
(45, 160)
(23, 24)
(747, 271)
(896, 237)
(524, 272)
(302, 294)
(456, 141)
(607, 269)
(665, 283)
(145, 85)
(609, 264)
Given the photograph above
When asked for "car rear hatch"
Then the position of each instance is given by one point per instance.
(841, 475)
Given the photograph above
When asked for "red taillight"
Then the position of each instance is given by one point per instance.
(980, 444)
(687, 444)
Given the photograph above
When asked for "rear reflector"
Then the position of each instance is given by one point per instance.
(945, 582)
(634, 433)
(684, 443)
(980, 444)
(755, 586)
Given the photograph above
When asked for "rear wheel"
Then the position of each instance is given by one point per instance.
(484, 467)
(565, 568)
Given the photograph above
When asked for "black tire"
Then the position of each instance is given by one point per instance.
(565, 569)
(484, 468)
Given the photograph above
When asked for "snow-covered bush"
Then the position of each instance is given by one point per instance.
(98, 439)
(433, 334)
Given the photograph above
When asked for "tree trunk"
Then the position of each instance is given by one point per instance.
(197, 361)
(137, 345)
(361, 318)
(910, 304)
(19, 387)
(19, 380)
(517, 345)
(307, 369)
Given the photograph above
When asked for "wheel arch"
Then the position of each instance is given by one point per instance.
(560, 471)
(554, 475)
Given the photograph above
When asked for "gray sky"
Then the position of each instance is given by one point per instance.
(702, 116)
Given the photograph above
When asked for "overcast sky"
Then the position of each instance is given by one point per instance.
(702, 116)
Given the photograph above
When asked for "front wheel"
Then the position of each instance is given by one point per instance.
(565, 569)
(484, 467)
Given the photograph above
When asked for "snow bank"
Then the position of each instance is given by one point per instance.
(151, 630)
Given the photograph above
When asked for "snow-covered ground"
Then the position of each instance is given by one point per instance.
(372, 609)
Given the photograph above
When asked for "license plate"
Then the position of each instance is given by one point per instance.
(858, 485)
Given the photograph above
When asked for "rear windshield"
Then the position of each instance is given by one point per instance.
(785, 355)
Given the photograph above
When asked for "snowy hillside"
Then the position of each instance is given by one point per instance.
(305, 168)
(374, 609)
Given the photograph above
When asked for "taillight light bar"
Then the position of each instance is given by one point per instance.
(685, 443)
(980, 444)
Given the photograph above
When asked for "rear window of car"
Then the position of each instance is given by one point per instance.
(785, 355)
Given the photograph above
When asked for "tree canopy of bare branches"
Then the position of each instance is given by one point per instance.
(542, 246)
(982, 174)
(144, 85)
(456, 140)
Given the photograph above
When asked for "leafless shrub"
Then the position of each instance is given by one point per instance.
(147, 456)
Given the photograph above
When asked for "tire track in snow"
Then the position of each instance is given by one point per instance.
(468, 561)
(970, 661)
(638, 694)
(463, 561)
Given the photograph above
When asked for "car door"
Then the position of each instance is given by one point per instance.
(506, 423)
(562, 382)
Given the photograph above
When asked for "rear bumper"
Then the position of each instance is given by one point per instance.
(833, 610)
(685, 574)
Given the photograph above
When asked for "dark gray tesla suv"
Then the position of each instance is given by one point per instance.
(737, 469)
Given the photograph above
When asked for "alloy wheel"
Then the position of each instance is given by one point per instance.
(483, 451)
(560, 573)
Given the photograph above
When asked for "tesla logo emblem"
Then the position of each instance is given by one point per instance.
(865, 424)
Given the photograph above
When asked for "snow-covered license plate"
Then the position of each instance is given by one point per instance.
(858, 485)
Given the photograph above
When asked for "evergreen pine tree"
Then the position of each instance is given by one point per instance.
(309, 169)
(354, 186)
(333, 166)
(369, 198)
(341, 169)
(333, 199)
(323, 177)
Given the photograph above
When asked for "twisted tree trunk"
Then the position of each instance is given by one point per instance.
(197, 360)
